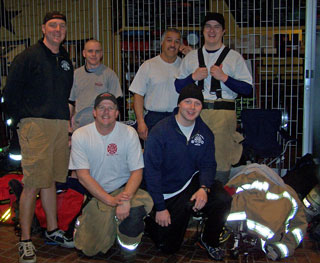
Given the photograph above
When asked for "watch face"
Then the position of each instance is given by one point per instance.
(206, 189)
(192, 39)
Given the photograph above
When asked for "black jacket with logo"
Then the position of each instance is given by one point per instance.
(39, 84)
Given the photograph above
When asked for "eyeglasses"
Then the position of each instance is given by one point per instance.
(214, 27)
(104, 108)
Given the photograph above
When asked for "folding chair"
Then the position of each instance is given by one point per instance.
(265, 141)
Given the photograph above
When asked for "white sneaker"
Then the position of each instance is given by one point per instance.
(27, 252)
(59, 238)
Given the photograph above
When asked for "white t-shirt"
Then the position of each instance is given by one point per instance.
(186, 130)
(155, 81)
(233, 65)
(87, 86)
(109, 158)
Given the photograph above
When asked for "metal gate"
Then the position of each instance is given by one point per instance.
(268, 33)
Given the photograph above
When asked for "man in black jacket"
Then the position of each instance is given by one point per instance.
(36, 96)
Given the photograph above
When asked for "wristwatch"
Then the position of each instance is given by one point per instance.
(206, 189)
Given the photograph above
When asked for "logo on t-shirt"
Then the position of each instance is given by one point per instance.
(112, 149)
(99, 84)
(197, 140)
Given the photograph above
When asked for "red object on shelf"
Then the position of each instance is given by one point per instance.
(134, 45)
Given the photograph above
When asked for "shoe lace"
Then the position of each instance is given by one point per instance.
(216, 252)
(58, 233)
(28, 249)
(59, 236)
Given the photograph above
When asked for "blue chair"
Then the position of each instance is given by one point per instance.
(265, 140)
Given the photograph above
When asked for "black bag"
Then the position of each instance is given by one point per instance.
(303, 176)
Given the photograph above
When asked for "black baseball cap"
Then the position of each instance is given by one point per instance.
(105, 96)
(53, 15)
(214, 16)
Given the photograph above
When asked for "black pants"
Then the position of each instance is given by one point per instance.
(153, 117)
(169, 239)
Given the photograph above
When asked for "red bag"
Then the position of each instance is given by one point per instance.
(7, 198)
(69, 203)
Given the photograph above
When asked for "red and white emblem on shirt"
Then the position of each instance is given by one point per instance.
(112, 149)
(99, 84)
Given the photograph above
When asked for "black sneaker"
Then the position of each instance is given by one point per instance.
(27, 252)
(216, 253)
(59, 238)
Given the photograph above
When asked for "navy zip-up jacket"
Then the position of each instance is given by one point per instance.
(170, 160)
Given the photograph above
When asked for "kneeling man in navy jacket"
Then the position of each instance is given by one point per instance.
(180, 168)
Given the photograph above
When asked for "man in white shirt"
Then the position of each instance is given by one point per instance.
(153, 85)
(108, 160)
(220, 86)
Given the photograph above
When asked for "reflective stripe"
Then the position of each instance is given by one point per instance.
(261, 186)
(260, 229)
(272, 196)
(263, 243)
(264, 186)
(294, 210)
(15, 157)
(306, 202)
(6, 215)
(130, 247)
(251, 224)
(298, 235)
(283, 249)
(237, 216)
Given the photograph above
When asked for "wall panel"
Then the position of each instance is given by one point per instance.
(269, 34)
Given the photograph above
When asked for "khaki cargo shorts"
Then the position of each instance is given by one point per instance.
(96, 229)
(44, 150)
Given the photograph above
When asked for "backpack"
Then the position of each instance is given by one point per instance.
(70, 202)
(8, 200)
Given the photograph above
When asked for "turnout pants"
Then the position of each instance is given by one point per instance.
(223, 124)
(97, 228)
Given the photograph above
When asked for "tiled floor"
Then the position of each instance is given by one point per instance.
(309, 252)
